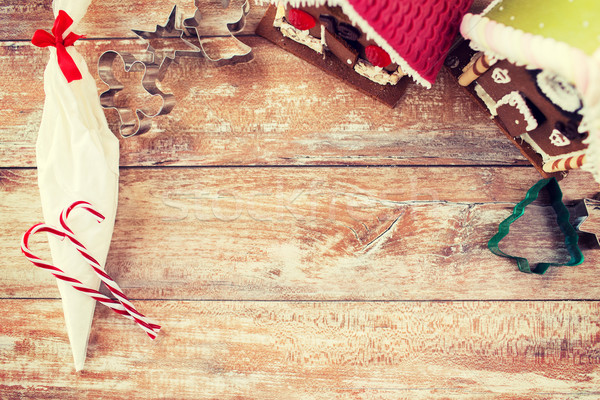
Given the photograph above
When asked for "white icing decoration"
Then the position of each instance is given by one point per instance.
(301, 36)
(515, 99)
(500, 76)
(558, 139)
(377, 74)
(559, 91)
(279, 15)
(486, 98)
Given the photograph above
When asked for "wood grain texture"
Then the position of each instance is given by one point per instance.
(296, 240)
(224, 118)
(314, 233)
(115, 19)
(312, 350)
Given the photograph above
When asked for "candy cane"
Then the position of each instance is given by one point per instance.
(108, 281)
(117, 306)
(564, 164)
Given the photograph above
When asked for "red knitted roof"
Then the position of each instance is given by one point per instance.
(421, 31)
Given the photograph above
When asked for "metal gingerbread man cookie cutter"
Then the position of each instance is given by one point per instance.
(140, 121)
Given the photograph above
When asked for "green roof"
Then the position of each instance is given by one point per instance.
(575, 22)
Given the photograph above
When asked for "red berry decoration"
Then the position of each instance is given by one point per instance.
(301, 19)
(378, 56)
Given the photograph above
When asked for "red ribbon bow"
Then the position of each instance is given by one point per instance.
(41, 38)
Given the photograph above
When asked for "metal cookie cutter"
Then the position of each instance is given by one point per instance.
(138, 122)
(199, 26)
(586, 220)
(562, 219)
(169, 30)
(132, 123)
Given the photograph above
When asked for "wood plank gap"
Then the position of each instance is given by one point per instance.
(89, 39)
(341, 301)
(158, 166)
(474, 166)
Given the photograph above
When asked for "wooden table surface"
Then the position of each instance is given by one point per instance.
(296, 239)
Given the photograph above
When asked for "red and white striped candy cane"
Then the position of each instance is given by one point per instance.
(108, 281)
(117, 306)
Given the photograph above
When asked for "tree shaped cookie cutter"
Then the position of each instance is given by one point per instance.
(562, 219)
(140, 121)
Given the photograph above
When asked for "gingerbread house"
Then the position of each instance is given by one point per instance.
(371, 44)
(535, 66)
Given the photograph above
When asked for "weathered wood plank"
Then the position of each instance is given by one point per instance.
(267, 112)
(277, 350)
(115, 19)
(313, 233)
(110, 19)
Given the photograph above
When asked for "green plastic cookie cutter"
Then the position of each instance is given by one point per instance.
(562, 219)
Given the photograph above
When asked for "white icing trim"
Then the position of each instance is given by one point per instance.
(487, 99)
(302, 37)
(364, 27)
(515, 99)
(568, 99)
(279, 15)
(526, 138)
(377, 74)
